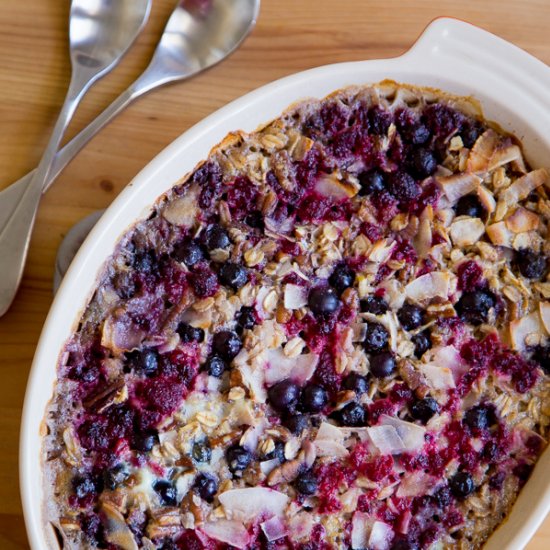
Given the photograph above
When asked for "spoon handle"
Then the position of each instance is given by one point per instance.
(18, 221)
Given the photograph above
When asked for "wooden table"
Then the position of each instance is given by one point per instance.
(292, 35)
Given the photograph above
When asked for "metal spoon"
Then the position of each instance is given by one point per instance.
(100, 33)
(199, 34)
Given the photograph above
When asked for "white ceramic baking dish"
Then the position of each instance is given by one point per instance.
(513, 88)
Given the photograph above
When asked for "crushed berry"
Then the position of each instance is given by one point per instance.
(143, 362)
(480, 417)
(241, 197)
(202, 452)
(372, 182)
(166, 491)
(246, 318)
(422, 162)
(206, 486)
(204, 281)
(541, 356)
(379, 120)
(255, 220)
(238, 458)
(352, 414)
(470, 276)
(530, 264)
(461, 485)
(209, 177)
(306, 483)
(422, 343)
(296, 423)
(188, 253)
(403, 186)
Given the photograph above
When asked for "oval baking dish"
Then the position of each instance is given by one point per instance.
(453, 56)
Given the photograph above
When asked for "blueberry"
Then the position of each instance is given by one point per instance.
(353, 414)
(246, 317)
(202, 452)
(404, 544)
(470, 133)
(215, 366)
(376, 338)
(296, 423)
(423, 162)
(541, 356)
(190, 334)
(403, 186)
(422, 343)
(206, 486)
(188, 253)
(461, 485)
(255, 219)
(443, 497)
(144, 442)
(469, 205)
(314, 398)
(480, 417)
(238, 458)
(382, 365)
(417, 133)
(342, 277)
(116, 476)
(144, 362)
(424, 409)
(85, 485)
(166, 491)
(277, 453)
(233, 275)
(145, 262)
(226, 344)
(356, 383)
(283, 396)
(530, 264)
(372, 182)
(216, 237)
(410, 316)
(374, 304)
(379, 120)
(473, 307)
(306, 484)
(323, 300)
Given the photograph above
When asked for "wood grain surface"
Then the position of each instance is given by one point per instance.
(291, 35)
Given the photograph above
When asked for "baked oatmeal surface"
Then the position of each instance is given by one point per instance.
(332, 334)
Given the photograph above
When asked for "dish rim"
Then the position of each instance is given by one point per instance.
(441, 58)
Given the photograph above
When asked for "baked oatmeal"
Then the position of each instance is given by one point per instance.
(332, 334)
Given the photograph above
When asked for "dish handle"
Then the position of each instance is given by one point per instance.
(448, 42)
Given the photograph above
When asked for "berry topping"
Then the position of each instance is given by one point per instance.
(469, 205)
(382, 365)
(202, 452)
(461, 485)
(410, 316)
(530, 264)
(323, 301)
(226, 344)
(356, 383)
(306, 484)
(215, 366)
(372, 183)
(116, 476)
(85, 485)
(424, 409)
(188, 253)
(144, 442)
(166, 491)
(246, 317)
(403, 186)
(233, 275)
(144, 362)
(216, 237)
(283, 396)
(403, 544)
(190, 334)
(473, 307)
(353, 414)
(238, 458)
(342, 277)
(314, 398)
(423, 162)
(374, 304)
(206, 486)
(376, 338)
(296, 423)
(379, 120)
(255, 219)
(417, 133)
(480, 417)
(422, 343)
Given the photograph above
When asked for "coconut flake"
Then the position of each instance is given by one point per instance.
(331, 448)
(465, 231)
(274, 529)
(415, 484)
(458, 185)
(227, 531)
(381, 251)
(521, 328)
(500, 234)
(386, 439)
(117, 531)
(381, 535)
(268, 465)
(544, 309)
(300, 525)
(429, 286)
(521, 188)
(482, 151)
(279, 367)
(411, 434)
(328, 185)
(522, 220)
(368, 532)
(504, 155)
(295, 296)
(487, 199)
(247, 504)
(438, 378)
(329, 432)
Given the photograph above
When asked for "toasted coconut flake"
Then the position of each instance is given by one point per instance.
(466, 231)
(522, 328)
(184, 211)
(227, 531)
(330, 186)
(522, 220)
(295, 296)
(458, 185)
(499, 234)
(504, 155)
(247, 504)
(117, 531)
(381, 251)
(429, 286)
(521, 188)
(487, 199)
(482, 151)
(544, 308)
